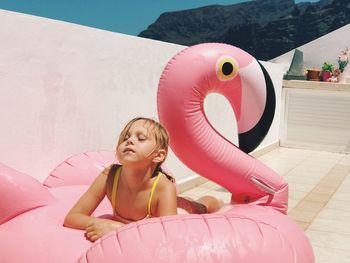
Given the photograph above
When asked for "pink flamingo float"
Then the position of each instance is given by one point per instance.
(254, 228)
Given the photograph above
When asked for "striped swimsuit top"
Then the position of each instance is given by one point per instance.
(114, 197)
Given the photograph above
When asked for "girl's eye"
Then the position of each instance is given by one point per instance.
(126, 137)
(142, 138)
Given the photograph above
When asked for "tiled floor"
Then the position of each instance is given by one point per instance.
(319, 196)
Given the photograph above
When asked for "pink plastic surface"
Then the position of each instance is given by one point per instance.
(80, 169)
(19, 193)
(32, 231)
(36, 234)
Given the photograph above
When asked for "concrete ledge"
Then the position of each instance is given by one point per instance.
(318, 85)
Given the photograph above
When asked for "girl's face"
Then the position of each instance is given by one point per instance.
(138, 146)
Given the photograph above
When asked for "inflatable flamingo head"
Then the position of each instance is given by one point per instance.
(217, 68)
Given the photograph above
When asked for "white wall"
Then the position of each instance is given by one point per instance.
(67, 89)
(317, 117)
(325, 48)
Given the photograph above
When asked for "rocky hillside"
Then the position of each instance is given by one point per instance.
(264, 28)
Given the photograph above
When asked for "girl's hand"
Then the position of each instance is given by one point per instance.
(99, 227)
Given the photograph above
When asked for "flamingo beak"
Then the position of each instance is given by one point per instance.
(249, 140)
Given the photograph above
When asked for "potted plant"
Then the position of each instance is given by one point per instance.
(313, 74)
(327, 69)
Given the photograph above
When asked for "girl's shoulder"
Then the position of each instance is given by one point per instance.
(165, 197)
(166, 185)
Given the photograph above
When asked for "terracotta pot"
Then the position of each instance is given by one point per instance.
(313, 74)
(326, 75)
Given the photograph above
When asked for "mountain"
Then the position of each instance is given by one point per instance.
(264, 28)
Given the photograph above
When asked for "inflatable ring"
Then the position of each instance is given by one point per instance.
(254, 227)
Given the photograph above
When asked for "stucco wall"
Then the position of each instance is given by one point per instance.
(325, 48)
(67, 89)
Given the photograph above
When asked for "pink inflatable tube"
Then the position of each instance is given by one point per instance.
(253, 229)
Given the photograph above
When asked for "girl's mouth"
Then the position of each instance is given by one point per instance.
(128, 150)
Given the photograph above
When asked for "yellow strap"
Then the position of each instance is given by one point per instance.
(114, 189)
(152, 192)
(115, 186)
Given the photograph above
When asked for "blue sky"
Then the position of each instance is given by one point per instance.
(124, 16)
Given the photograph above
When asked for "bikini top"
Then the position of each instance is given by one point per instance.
(114, 197)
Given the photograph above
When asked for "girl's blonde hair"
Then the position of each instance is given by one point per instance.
(160, 133)
(161, 136)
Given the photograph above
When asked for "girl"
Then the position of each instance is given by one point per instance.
(138, 188)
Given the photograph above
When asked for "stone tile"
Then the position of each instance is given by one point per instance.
(306, 171)
(290, 178)
(300, 187)
(292, 203)
(279, 166)
(302, 216)
(334, 214)
(339, 205)
(345, 160)
(327, 156)
(332, 226)
(346, 181)
(343, 188)
(316, 164)
(297, 173)
(328, 240)
(297, 195)
(331, 181)
(321, 189)
(331, 255)
(317, 197)
(341, 167)
(310, 206)
(341, 196)
(268, 156)
(336, 178)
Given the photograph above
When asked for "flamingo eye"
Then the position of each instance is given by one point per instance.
(226, 68)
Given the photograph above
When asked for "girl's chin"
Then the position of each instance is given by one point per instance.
(134, 164)
(128, 162)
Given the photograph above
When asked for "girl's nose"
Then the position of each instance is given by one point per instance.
(129, 141)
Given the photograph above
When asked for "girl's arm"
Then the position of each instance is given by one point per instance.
(79, 216)
(167, 204)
